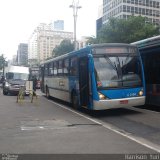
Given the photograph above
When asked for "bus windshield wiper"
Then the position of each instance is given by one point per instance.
(127, 58)
(111, 63)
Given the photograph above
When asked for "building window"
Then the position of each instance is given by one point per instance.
(128, 1)
(132, 10)
(124, 8)
(128, 8)
(136, 1)
(147, 11)
(143, 11)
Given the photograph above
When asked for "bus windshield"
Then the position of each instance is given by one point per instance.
(17, 76)
(117, 71)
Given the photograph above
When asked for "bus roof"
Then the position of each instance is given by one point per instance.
(110, 45)
(149, 42)
(88, 48)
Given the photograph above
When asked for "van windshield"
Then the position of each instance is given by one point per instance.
(17, 76)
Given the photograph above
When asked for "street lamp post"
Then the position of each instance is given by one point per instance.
(75, 6)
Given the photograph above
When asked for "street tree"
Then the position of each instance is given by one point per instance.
(64, 47)
(3, 63)
(126, 31)
(92, 40)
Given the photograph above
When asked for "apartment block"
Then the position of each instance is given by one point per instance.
(43, 41)
(22, 54)
(124, 8)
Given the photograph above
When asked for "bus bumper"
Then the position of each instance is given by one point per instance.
(118, 103)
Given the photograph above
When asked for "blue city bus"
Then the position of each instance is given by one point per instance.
(150, 52)
(97, 77)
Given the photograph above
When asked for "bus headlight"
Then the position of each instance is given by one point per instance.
(102, 97)
(140, 93)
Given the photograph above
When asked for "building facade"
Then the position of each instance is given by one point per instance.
(99, 20)
(14, 60)
(32, 48)
(43, 41)
(124, 8)
(98, 25)
(22, 54)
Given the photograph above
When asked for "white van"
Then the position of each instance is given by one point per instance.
(16, 76)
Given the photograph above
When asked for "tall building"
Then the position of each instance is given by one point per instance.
(59, 25)
(125, 8)
(98, 25)
(99, 20)
(14, 60)
(32, 48)
(22, 54)
(42, 42)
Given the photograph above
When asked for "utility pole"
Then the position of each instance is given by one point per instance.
(75, 6)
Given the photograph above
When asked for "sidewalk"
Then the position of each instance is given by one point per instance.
(39, 93)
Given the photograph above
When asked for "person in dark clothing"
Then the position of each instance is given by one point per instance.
(34, 79)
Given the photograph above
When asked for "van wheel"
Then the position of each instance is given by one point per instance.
(5, 92)
(75, 104)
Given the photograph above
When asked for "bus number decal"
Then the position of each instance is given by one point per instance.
(131, 94)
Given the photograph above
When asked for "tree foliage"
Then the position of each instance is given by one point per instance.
(64, 47)
(92, 40)
(3, 62)
(126, 31)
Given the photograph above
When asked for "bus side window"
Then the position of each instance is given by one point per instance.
(66, 67)
(60, 68)
(74, 64)
(46, 69)
(50, 68)
(55, 68)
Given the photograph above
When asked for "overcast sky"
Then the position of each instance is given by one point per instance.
(20, 17)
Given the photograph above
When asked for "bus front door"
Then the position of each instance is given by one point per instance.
(84, 81)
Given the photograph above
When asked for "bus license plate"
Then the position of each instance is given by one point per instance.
(123, 102)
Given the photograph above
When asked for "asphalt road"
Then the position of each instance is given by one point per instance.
(135, 121)
(45, 127)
